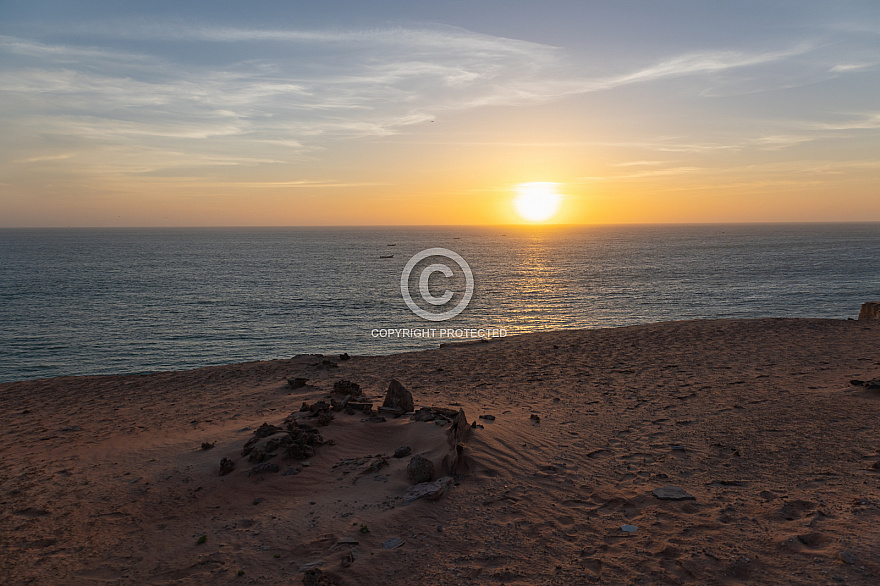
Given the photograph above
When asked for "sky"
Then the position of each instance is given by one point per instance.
(433, 113)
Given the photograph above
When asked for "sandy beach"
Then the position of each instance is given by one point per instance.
(704, 452)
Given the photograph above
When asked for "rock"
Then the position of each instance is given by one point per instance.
(375, 465)
(420, 469)
(297, 383)
(535, 419)
(344, 356)
(847, 557)
(671, 492)
(398, 397)
(873, 384)
(325, 365)
(226, 466)
(264, 467)
(315, 577)
(629, 528)
(488, 417)
(423, 414)
(402, 452)
(346, 387)
(392, 543)
(207, 445)
(428, 490)
(291, 471)
(266, 430)
(870, 310)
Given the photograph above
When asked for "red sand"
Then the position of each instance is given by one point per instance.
(103, 479)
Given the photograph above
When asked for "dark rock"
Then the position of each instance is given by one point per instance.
(428, 490)
(488, 417)
(671, 492)
(847, 557)
(870, 310)
(535, 419)
(315, 577)
(297, 383)
(392, 543)
(324, 418)
(873, 384)
(264, 467)
(402, 452)
(344, 356)
(346, 387)
(423, 414)
(325, 365)
(375, 419)
(375, 465)
(420, 469)
(266, 430)
(226, 466)
(291, 471)
(398, 397)
(207, 445)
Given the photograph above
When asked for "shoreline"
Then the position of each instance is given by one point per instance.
(103, 477)
(439, 345)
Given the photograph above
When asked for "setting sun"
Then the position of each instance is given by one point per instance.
(537, 202)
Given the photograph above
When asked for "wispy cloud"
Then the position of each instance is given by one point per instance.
(296, 93)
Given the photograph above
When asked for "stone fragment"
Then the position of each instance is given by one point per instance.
(670, 492)
(402, 452)
(226, 466)
(488, 417)
(264, 467)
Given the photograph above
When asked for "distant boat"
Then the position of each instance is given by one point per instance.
(386, 256)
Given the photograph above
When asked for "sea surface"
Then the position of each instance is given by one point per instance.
(100, 301)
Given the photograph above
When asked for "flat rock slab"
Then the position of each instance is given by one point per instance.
(392, 543)
(671, 492)
(428, 490)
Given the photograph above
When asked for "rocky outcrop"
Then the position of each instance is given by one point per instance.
(870, 310)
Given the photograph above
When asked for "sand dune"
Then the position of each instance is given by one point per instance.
(771, 452)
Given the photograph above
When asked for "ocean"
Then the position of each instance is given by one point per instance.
(101, 301)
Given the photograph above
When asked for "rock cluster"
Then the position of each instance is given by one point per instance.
(295, 441)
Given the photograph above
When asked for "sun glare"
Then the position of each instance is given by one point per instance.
(537, 202)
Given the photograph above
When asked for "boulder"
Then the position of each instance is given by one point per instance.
(420, 469)
(870, 310)
(398, 398)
